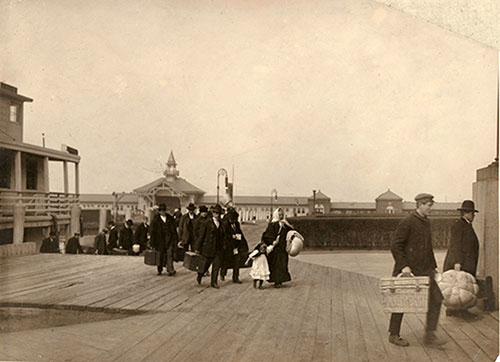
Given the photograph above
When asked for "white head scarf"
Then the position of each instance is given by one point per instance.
(276, 218)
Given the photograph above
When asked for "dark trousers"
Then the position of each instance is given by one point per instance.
(435, 299)
(236, 268)
(166, 259)
(216, 263)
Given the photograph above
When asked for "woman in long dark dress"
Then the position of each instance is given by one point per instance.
(275, 238)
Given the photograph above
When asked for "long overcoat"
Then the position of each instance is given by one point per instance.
(411, 246)
(210, 239)
(113, 238)
(186, 229)
(163, 234)
(233, 239)
(126, 238)
(141, 235)
(464, 247)
(278, 258)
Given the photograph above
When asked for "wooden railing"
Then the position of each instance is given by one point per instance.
(37, 203)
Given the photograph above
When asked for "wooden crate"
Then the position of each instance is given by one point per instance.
(405, 294)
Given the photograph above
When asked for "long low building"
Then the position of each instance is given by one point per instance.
(177, 192)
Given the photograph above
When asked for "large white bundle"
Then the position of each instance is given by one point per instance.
(459, 289)
(294, 243)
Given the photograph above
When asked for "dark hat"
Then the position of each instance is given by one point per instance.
(162, 207)
(129, 222)
(191, 207)
(111, 222)
(468, 205)
(52, 233)
(203, 208)
(216, 208)
(232, 213)
(424, 196)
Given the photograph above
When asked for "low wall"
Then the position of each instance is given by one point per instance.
(363, 232)
(18, 249)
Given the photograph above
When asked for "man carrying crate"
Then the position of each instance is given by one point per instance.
(411, 248)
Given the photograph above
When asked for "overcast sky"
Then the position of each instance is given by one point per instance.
(350, 97)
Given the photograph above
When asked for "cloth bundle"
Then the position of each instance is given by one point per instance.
(459, 289)
(294, 243)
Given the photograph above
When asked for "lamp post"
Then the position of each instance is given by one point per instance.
(314, 202)
(221, 172)
(274, 195)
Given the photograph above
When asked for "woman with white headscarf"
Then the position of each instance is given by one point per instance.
(275, 238)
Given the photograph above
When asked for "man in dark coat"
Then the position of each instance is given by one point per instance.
(73, 246)
(100, 243)
(412, 250)
(464, 247)
(50, 244)
(126, 239)
(164, 238)
(236, 246)
(202, 216)
(113, 237)
(141, 235)
(210, 244)
(186, 227)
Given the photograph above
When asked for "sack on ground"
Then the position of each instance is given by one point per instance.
(459, 289)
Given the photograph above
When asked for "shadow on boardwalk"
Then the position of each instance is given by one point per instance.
(324, 314)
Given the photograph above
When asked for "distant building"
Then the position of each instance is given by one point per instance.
(177, 192)
(27, 207)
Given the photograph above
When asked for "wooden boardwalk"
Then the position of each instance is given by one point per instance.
(324, 314)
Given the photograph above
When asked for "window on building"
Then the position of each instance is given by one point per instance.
(14, 112)
(5, 168)
(31, 174)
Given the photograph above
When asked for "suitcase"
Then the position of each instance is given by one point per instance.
(194, 262)
(179, 254)
(405, 294)
(151, 257)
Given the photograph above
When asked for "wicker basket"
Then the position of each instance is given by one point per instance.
(405, 294)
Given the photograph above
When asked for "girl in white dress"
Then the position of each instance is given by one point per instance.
(260, 268)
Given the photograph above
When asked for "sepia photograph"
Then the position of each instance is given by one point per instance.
(249, 180)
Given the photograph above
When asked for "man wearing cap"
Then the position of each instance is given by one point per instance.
(464, 245)
(73, 246)
(127, 237)
(50, 244)
(210, 244)
(164, 238)
(186, 227)
(412, 250)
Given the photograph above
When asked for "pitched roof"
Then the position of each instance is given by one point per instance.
(389, 195)
(179, 185)
(319, 196)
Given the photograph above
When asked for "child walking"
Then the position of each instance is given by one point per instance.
(260, 268)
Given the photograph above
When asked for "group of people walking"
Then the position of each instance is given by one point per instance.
(411, 247)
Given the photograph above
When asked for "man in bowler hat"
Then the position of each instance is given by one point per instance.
(210, 244)
(164, 238)
(412, 250)
(464, 247)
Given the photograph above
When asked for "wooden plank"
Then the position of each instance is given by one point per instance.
(373, 339)
(322, 349)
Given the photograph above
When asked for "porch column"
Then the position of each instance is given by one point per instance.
(102, 219)
(46, 174)
(75, 219)
(65, 169)
(18, 172)
(18, 232)
(77, 178)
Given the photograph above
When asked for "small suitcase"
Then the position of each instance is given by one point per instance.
(151, 257)
(405, 294)
(194, 262)
(179, 253)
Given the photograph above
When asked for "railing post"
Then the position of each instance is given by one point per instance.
(18, 172)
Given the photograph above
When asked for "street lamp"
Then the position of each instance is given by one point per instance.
(221, 172)
(314, 202)
(274, 195)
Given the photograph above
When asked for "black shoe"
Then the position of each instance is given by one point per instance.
(171, 274)
(398, 340)
(237, 281)
(214, 286)
(222, 277)
(261, 287)
(277, 285)
(465, 314)
(159, 273)
(198, 278)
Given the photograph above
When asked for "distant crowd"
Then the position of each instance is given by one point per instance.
(213, 233)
